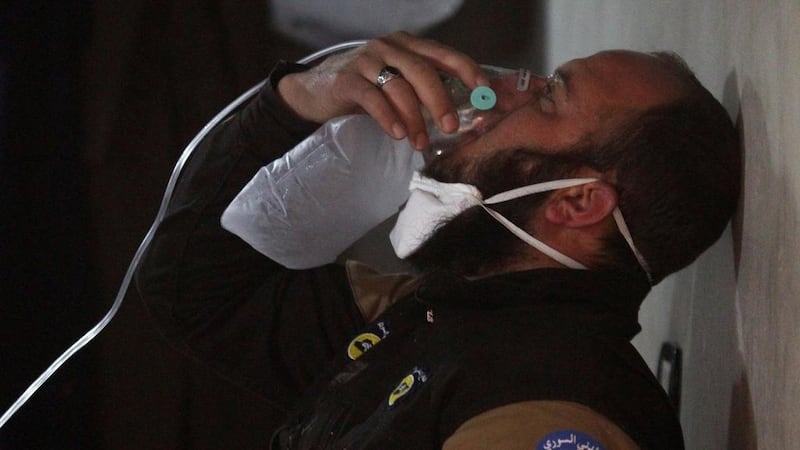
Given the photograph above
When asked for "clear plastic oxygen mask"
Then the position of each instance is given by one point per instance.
(478, 109)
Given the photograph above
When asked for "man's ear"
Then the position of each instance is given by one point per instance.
(582, 205)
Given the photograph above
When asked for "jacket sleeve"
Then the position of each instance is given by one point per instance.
(539, 425)
(260, 325)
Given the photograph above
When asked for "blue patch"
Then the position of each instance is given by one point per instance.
(569, 440)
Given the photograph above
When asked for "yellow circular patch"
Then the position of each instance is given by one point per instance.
(402, 389)
(361, 344)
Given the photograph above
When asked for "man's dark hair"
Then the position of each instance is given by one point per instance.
(677, 172)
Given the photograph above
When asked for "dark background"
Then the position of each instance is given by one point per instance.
(97, 101)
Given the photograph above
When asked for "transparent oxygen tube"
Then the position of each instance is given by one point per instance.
(478, 109)
(94, 331)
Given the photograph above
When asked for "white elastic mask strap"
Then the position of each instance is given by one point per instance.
(533, 242)
(623, 229)
(537, 189)
(541, 246)
(522, 234)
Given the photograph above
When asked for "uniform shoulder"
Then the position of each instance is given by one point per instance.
(539, 425)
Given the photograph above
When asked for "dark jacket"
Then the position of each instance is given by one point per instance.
(456, 348)
(461, 346)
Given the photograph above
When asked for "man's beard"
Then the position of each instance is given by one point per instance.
(473, 243)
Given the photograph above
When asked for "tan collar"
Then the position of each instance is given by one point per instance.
(374, 291)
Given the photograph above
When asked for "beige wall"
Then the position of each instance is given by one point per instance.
(735, 312)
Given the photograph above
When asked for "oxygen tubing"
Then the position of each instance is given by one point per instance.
(123, 289)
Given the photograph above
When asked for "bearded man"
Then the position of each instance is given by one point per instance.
(612, 173)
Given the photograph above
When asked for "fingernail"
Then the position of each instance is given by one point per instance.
(449, 122)
(482, 80)
(398, 131)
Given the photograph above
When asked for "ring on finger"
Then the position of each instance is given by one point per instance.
(387, 74)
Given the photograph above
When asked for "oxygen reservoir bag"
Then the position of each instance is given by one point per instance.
(305, 208)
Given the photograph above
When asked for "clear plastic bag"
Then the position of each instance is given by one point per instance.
(305, 208)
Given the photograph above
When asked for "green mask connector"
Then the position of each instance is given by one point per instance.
(483, 98)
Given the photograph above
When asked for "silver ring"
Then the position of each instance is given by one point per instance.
(387, 74)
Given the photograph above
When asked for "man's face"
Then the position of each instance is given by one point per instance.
(537, 142)
(583, 99)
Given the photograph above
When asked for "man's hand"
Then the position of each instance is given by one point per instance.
(346, 84)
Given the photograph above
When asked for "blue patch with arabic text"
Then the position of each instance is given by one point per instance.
(569, 440)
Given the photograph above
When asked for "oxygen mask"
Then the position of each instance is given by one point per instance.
(479, 109)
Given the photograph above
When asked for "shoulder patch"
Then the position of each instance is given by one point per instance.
(408, 384)
(569, 440)
(402, 389)
(361, 344)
